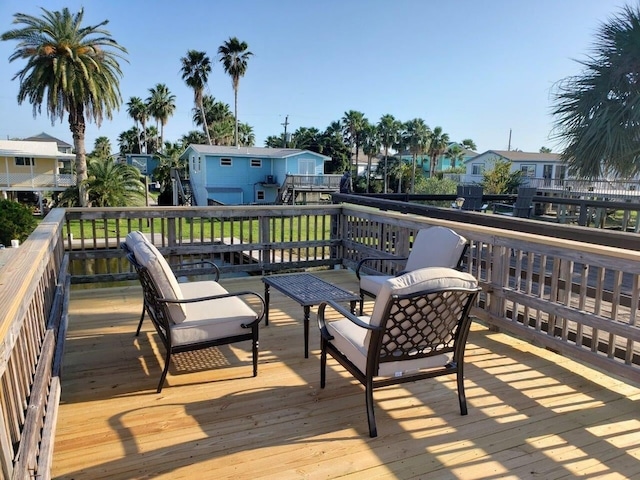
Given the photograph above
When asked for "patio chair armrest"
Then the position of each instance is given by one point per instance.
(362, 262)
(177, 267)
(345, 312)
(246, 293)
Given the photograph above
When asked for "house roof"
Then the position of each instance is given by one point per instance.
(45, 137)
(250, 151)
(518, 156)
(40, 149)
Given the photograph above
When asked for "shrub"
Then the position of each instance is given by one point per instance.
(16, 221)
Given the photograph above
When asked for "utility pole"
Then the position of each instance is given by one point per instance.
(286, 123)
(509, 147)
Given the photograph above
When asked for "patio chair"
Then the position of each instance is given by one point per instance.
(209, 316)
(190, 289)
(418, 329)
(432, 247)
(472, 195)
(522, 208)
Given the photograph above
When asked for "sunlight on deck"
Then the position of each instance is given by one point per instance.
(532, 413)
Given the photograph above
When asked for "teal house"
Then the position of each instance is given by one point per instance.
(246, 175)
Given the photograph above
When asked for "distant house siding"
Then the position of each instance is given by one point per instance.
(40, 166)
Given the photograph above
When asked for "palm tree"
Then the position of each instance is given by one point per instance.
(353, 125)
(469, 144)
(247, 138)
(162, 104)
(371, 148)
(455, 153)
(416, 137)
(109, 184)
(196, 67)
(137, 110)
(101, 148)
(438, 144)
(128, 141)
(388, 131)
(72, 68)
(597, 111)
(234, 56)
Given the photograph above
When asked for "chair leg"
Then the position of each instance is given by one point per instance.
(462, 399)
(371, 418)
(167, 362)
(323, 362)
(141, 319)
(255, 352)
(361, 303)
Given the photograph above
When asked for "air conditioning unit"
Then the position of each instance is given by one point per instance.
(270, 179)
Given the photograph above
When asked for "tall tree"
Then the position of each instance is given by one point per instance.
(101, 148)
(137, 110)
(353, 125)
(597, 112)
(469, 144)
(196, 67)
(162, 104)
(438, 144)
(388, 132)
(246, 136)
(234, 55)
(416, 137)
(71, 68)
(455, 153)
(371, 148)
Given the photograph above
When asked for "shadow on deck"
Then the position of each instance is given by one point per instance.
(532, 414)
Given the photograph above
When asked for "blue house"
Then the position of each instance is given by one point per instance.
(145, 162)
(248, 175)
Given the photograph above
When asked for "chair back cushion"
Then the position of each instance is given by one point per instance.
(436, 247)
(423, 279)
(133, 238)
(149, 257)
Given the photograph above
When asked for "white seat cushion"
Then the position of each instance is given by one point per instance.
(199, 326)
(353, 342)
(373, 283)
(149, 257)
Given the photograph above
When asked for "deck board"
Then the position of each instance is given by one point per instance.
(532, 413)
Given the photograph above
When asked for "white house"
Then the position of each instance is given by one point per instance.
(547, 166)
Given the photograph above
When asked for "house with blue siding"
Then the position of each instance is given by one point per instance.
(145, 162)
(247, 175)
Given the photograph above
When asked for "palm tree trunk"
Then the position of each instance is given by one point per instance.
(235, 108)
(204, 122)
(386, 154)
(77, 127)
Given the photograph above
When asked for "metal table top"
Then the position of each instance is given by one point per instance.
(307, 289)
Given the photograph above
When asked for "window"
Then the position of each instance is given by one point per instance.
(225, 162)
(25, 161)
(477, 169)
(260, 195)
(256, 162)
(528, 170)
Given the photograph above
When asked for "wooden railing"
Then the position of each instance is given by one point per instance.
(34, 296)
(574, 290)
(240, 239)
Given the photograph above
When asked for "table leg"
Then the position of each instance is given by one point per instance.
(306, 331)
(353, 308)
(266, 302)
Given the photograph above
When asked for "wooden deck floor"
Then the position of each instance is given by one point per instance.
(532, 414)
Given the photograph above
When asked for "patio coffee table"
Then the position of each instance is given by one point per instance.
(307, 290)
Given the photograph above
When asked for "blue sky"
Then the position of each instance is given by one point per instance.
(477, 68)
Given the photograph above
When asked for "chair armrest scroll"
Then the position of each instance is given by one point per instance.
(180, 266)
(362, 262)
(342, 311)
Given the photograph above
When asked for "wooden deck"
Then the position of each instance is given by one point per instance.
(532, 414)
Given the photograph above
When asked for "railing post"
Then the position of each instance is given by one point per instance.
(265, 240)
